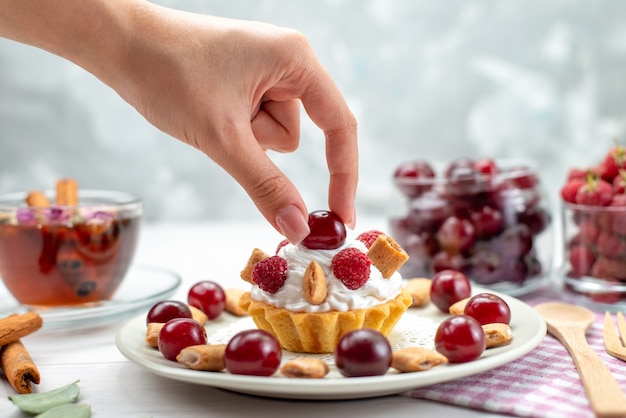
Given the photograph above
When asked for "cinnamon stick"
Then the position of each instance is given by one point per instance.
(16, 326)
(67, 192)
(18, 367)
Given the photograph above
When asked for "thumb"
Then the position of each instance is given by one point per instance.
(272, 192)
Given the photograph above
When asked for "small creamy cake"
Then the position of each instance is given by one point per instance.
(309, 298)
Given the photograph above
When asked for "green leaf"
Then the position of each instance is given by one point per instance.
(68, 410)
(36, 403)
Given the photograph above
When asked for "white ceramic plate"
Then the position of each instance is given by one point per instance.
(142, 287)
(416, 327)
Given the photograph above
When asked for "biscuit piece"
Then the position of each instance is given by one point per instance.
(387, 255)
(233, 296)
(497, 334)
(458, 308)
(198, 315)
(305, 367)
(256, 256)
(205, 357)
(314, 284)
(416, 359)
(152, 334)
(419, 288)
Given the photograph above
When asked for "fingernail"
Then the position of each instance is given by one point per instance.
(293, 225)
(352, 223)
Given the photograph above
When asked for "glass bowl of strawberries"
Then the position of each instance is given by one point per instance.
(487, 218)
(593, 270)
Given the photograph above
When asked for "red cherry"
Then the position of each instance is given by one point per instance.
(448, 287)
(486, 166)
(414, 177)
(179, 333)
(163, 311)
(209, 297)
(253, 352)
(363, 352)
(460, 338)
(456, 234)
(328, 231)
(488, 308)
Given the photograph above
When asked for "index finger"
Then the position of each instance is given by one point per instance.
(327, 108)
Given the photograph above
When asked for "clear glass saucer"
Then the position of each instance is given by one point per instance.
(142, 288)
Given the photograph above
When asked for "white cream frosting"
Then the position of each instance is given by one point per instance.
(375, 291)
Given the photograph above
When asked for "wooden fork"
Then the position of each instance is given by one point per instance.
(613, 341)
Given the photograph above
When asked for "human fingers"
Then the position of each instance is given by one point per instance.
(327, 108)
(276, 125)
(271, 191)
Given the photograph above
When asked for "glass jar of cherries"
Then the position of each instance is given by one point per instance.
(485, 218)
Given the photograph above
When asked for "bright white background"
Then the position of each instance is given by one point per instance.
(426, 79)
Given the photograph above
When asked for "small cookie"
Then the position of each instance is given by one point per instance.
(256, 256)
(198, 315)
(419, 288)
(305, 367)
(458, 308)
(233, 296)
(416, 359)
(387, 255)
(152, 334)
(497, 334)
(314, 284)
(204, 357)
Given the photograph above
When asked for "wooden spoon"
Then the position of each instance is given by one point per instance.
(569, 323)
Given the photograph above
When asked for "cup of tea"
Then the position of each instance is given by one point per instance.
(60, 248)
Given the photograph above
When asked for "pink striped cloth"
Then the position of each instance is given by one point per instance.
(543, 383)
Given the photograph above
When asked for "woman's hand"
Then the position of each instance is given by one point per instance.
(232, 89)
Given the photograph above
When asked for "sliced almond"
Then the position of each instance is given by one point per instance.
(314, 284)
(256, 256)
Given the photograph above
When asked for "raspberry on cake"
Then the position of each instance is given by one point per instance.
(311, 294)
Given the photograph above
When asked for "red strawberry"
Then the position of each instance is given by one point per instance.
(270, 273)
(619, 182)
(568, 192)
(581, 259)
(369, 237)
(614, 161)
(352, 267)
(596, 192)
(577, 173)
(610, 245)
